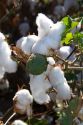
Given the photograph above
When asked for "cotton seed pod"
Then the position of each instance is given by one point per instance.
(44, 24)
(28, 43)
(63, 91)
(39, 85)
(65, 51)
(56, 76)
(22, 101)
(80, 114)
(18, 122)
(36, 64)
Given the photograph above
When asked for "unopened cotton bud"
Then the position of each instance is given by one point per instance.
(28, 43)
(44, 24)
(18, 122)
(22, 101)
(39, 85)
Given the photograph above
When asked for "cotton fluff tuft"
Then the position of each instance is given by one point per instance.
(2, 36)
(58, 81)
(44, 24)
(63, 91)
(28, 43)
(65, 51)
(39, 85)
(19, 42)
(5, 58)
(10, 66)
(22, 101)
(18, 122)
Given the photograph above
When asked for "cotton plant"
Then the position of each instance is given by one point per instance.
(22, 102)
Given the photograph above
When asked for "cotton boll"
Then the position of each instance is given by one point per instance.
(2, 72)
(56, 76)
(28, 43)
(5, 51)
(19, 42)
(39, 85)
(41, 98)
(2, 36)
(10, 66)
(22, 101)
(44, 24)
(40, 48)
(65, 51)
(18, 122)
(63, 91)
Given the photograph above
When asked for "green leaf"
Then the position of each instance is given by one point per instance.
(66, 118)
(74, 24)
(35, 121)
(67, 21)
(36, 64)
(73, 104)
(68, 38)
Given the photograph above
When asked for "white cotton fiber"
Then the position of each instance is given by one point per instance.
(44, 24)
(19, 42)
(39, 85)
(28, 43)
(2, 72)
(10, 66)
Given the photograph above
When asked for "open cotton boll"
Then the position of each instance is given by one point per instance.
(65, 51)
(22, 101)
(5, 51)
(28, 43)
(39, 85)
(19, 42)
(44, 24)
(2, 36)
(63, 91)
(56, 76)
(18, 122)
(2, 72)
(10, 66)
